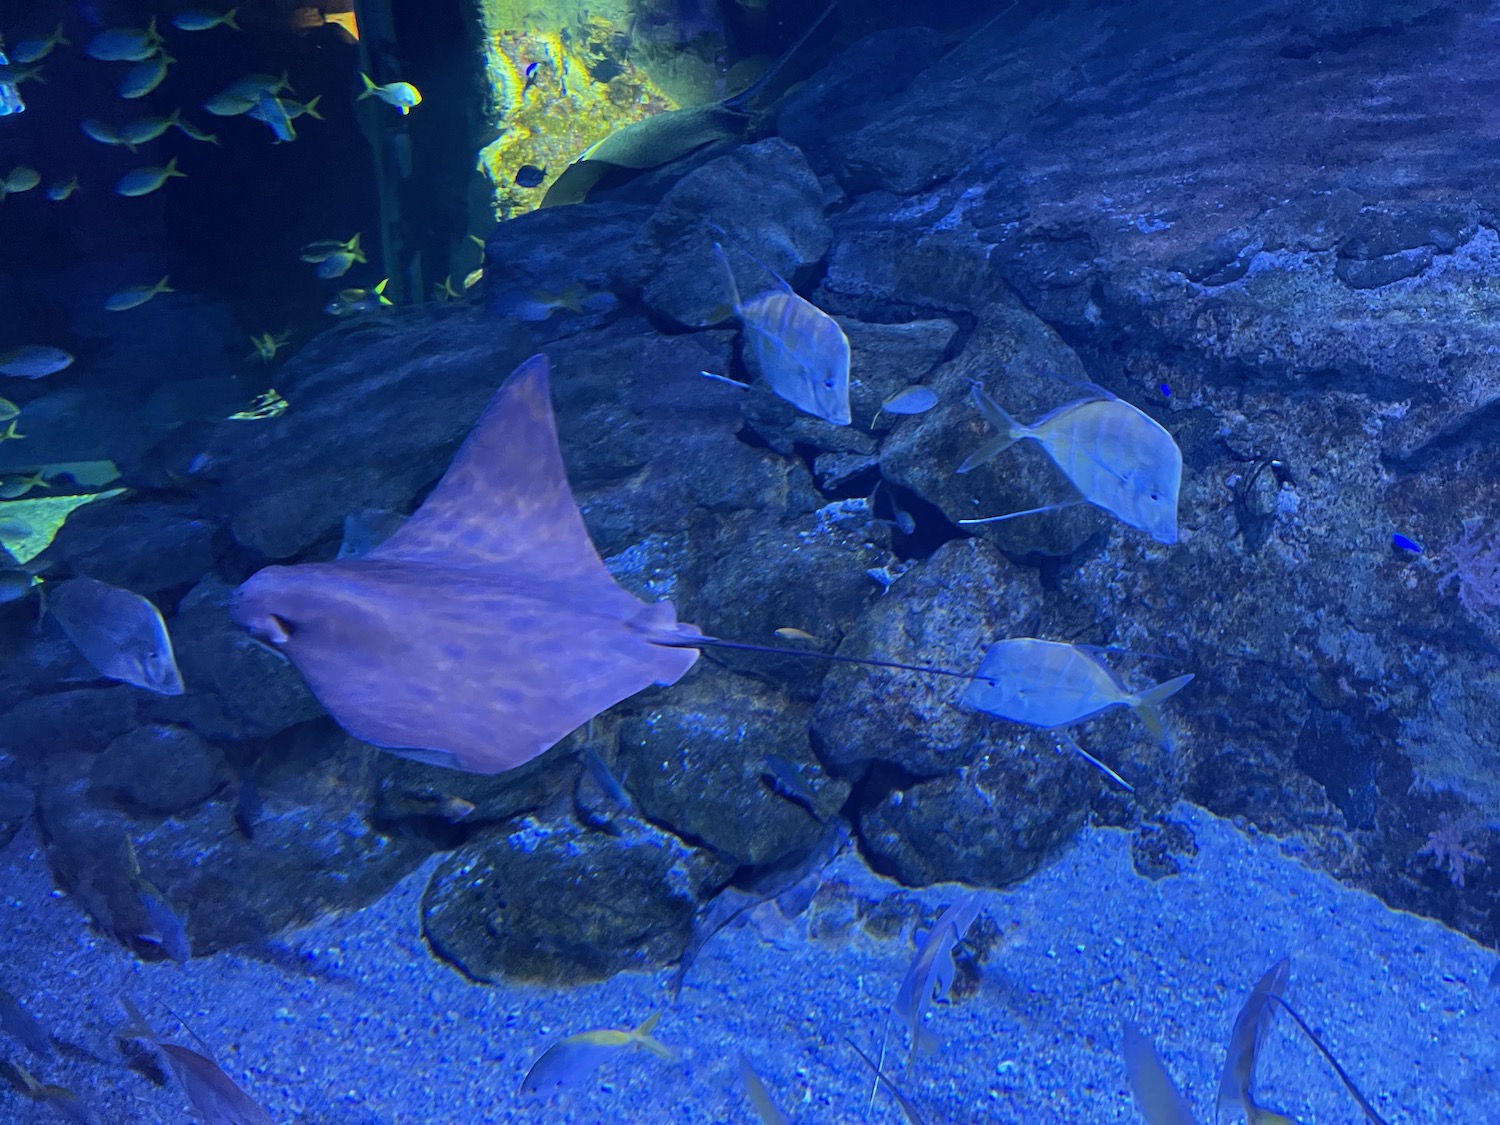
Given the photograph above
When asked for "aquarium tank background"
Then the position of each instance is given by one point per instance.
(749, 561)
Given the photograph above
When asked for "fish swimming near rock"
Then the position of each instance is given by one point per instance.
(34, 361)
(1052, 685)
(348, 301)
(120, 633)
(796, 347)
(143, 181)
(930, 974)
(566, 1063)
(537, 305)
(910, 400)
(168, 929)
(217, 1098)
(1117, 457)
(487, 628)
(403, 95)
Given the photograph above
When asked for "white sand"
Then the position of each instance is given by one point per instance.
(1403, 1002)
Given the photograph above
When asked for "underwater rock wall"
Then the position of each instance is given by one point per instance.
(1301, 299)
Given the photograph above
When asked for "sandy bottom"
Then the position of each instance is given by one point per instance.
(369, 1028)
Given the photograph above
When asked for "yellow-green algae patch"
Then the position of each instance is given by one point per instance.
(28, 526)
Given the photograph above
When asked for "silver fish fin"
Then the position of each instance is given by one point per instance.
(1147, 704)
(1096, 763)
(1007, 430)
(734, 289)
(749, 253)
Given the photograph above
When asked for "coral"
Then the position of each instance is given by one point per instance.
(1474, 563)
(1449, 849)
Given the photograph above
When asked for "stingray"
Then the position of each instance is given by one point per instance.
(663, 137)
(487, 628)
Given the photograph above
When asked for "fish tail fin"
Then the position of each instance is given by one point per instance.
(1148, 703)
(311, 109)
(571, 298)
(379, 291)
(1007, 431)
(172, 170)
(164, 285)
(136, 1027)
(174, 118)
(642, 1035)
(59, 39)
(228, 20)
(370, 86)
(734, 289)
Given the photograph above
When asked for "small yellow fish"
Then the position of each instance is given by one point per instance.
(62, 190)
(18, 180)
(146, 76)
(143, 181)
(35, 50)
(566, 1063)
(325, 248)
(359, 300)
(269, 404)
(267, 345)
(473, 278)
(136, 296)
(793, 634)
(402, 95)
(445, 291)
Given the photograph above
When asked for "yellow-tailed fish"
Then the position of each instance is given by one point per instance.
(13, 486)
(147, 129)
(473, 278)
(1117, 457)
(15, 75)
(10, 434)
(193, 133)
(797, 348)
(201, 19)
(445, 291)
(310, 17)
(267, 404)
(8, 410)
(125, 44)
(567, 1063)
(339, 263)
(145, 77)
(296, 109)
(135, 296)
(35, 50)
(229, 103)
(536, 305)
(97, 130)
(402, 95)
(325, 248)
(359, 300)
(252, 86)
(62, 190)
(19, 179)
(34, 361)
(267, 345)
(143, 181)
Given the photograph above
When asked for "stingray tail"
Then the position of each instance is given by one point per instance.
(745, 96)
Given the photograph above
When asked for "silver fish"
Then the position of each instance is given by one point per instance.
(121, 633)
(1118, 458)
(930, 974)
(796, 347)
(912, 400)
(1052, 685)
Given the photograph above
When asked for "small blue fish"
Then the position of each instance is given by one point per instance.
(1402, 543)
(530, 176)
(531, 76)
(571, 1061)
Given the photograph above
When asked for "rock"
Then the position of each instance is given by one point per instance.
(236, 688)
(989, 824)
(770, 204)
(595, 245)
(943, 613)
(157, 769)
(694, 762)
(146, 547)
(312, 851)
(82, 721)
(553, 903)
(844, 95)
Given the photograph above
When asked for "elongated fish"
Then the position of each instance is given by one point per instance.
(796, 347)
(1118, 459)
(135, 296)
(215, 1096)
(143, 181)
